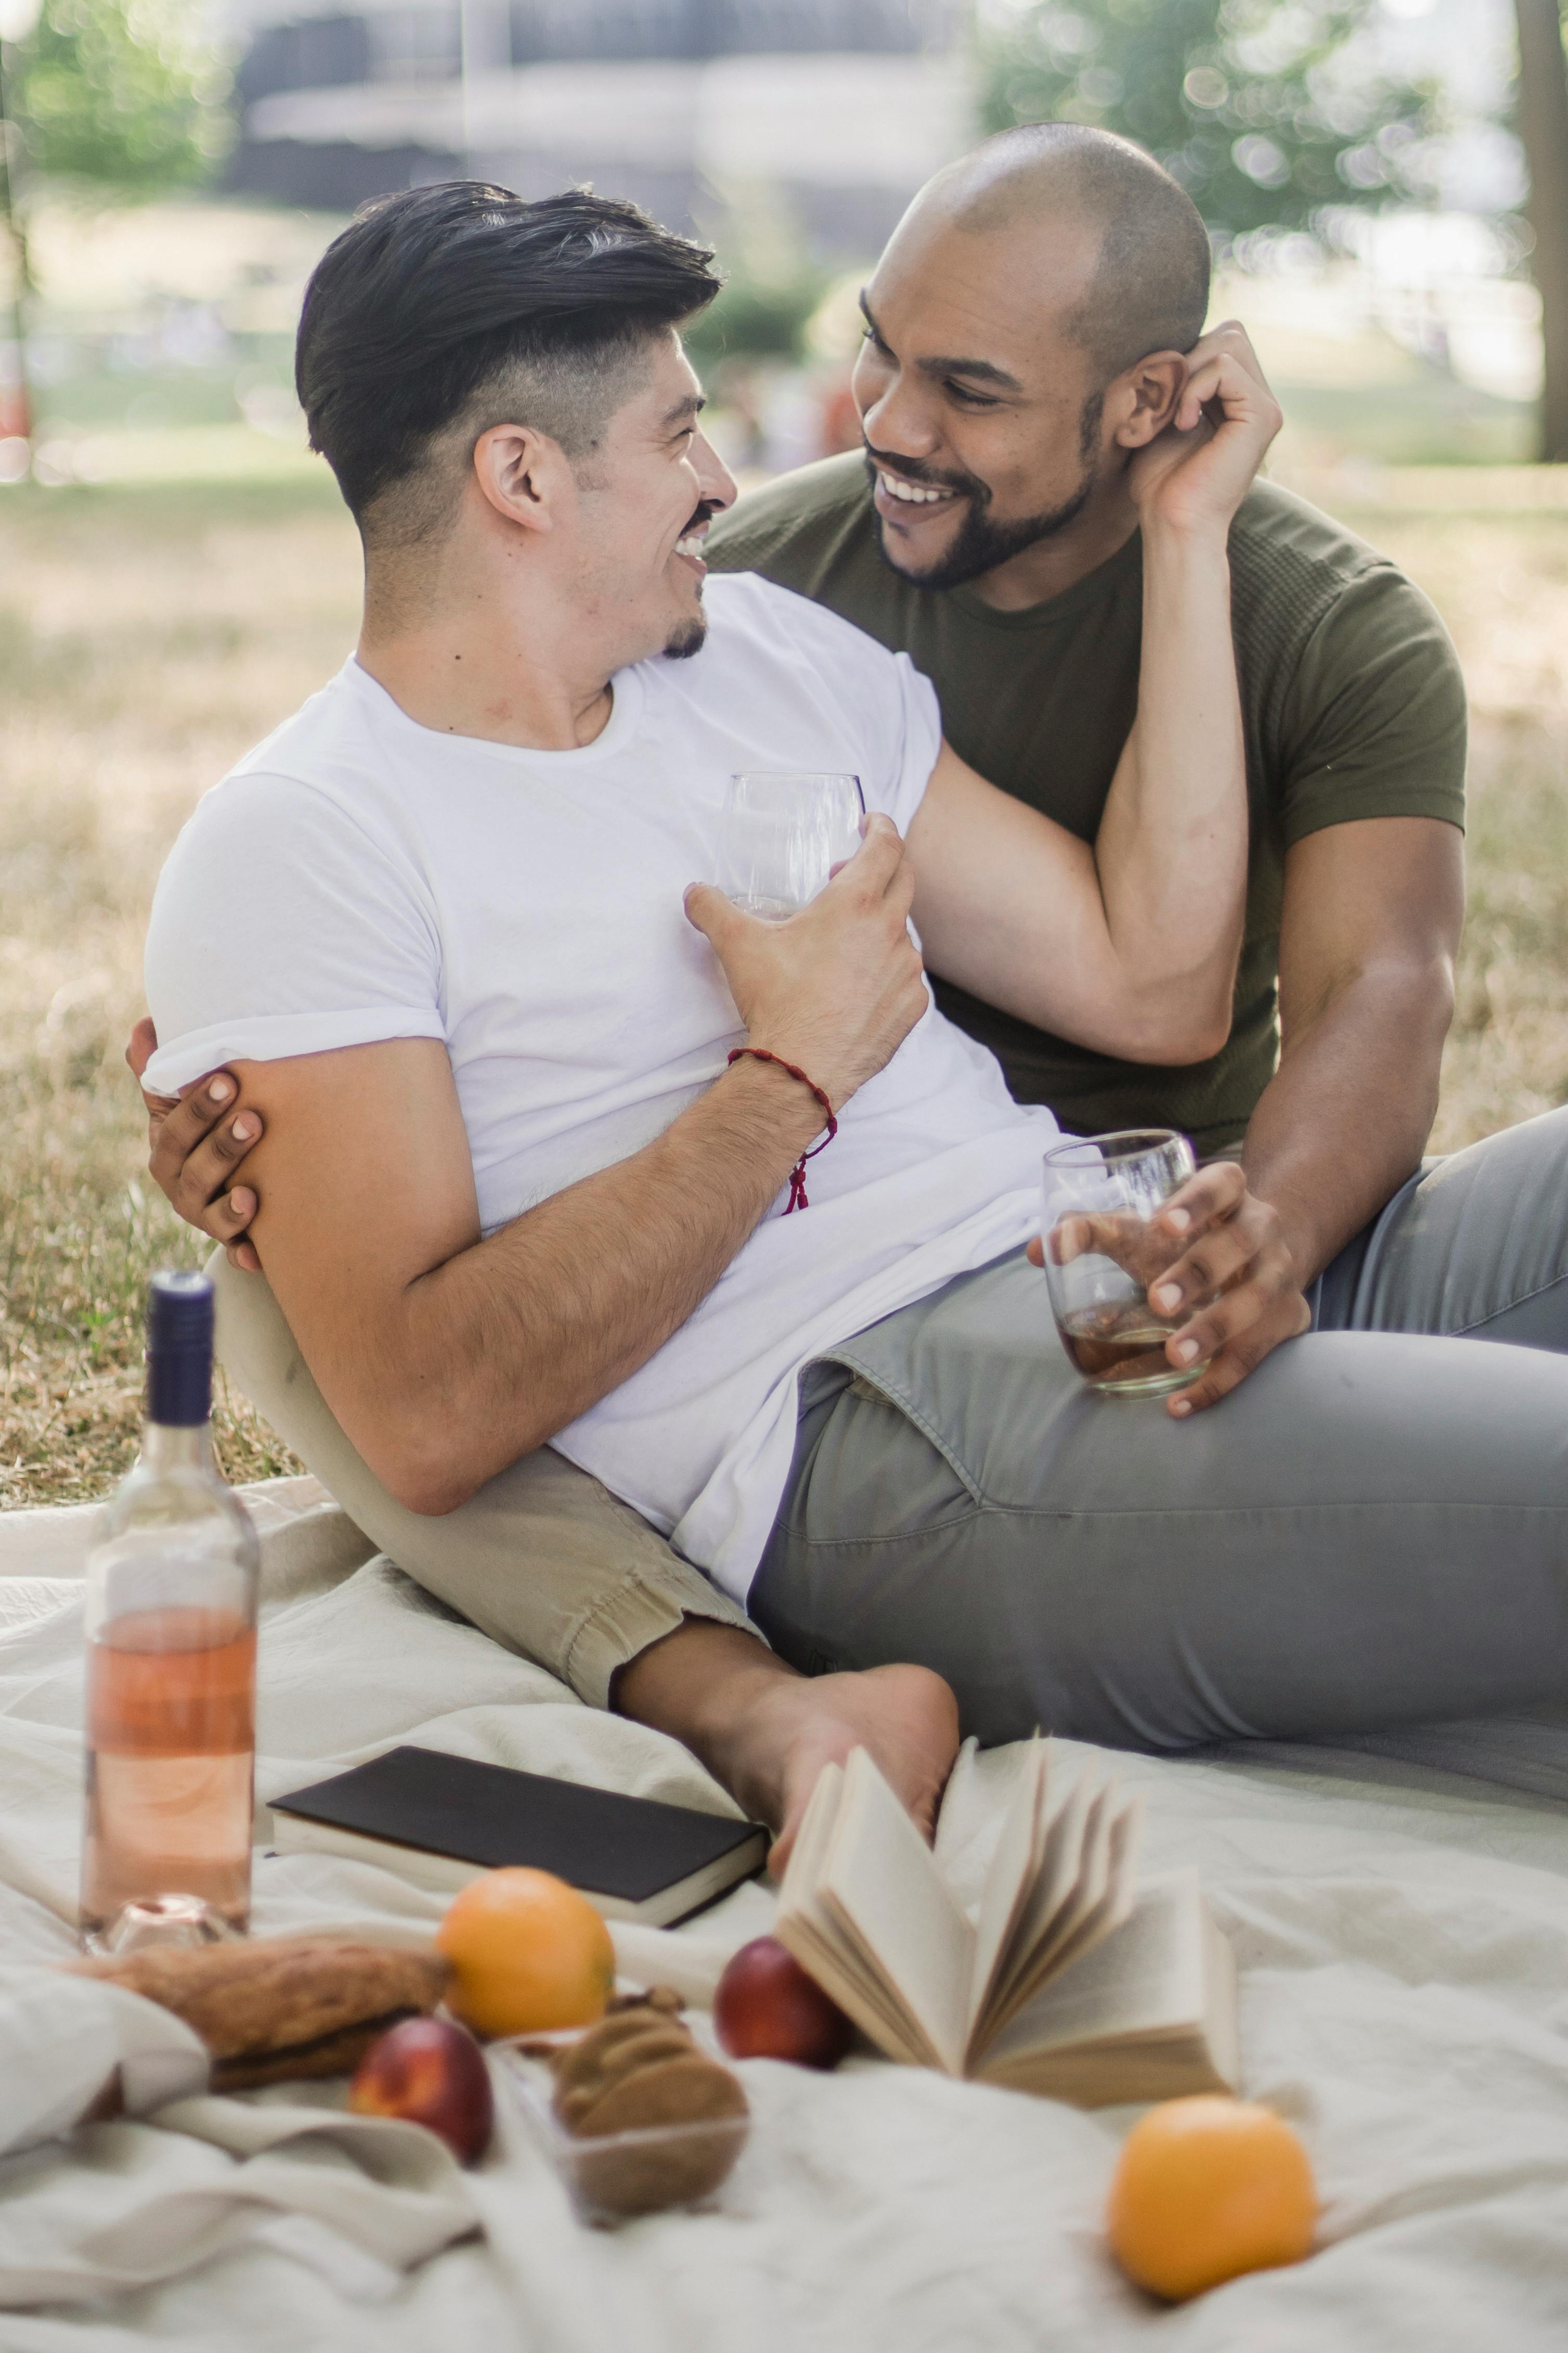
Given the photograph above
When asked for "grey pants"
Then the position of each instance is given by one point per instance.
(1372, 1530)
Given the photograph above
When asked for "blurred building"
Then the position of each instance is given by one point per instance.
(831, 111)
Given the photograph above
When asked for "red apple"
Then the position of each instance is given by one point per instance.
(765, 2007)
(430, 2071)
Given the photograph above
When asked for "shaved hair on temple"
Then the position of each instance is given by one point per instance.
(1151, 287)
(442, 312)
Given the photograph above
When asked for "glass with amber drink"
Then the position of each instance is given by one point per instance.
(1104, 1252)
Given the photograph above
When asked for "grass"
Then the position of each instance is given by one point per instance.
(148, 637)
(146, 640)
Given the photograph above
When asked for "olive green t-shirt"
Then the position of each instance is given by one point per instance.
(1351, 699)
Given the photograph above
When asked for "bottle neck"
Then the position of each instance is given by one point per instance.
(180, 1383)
(176, 1446)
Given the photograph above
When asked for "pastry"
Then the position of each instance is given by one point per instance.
(282, 2008)
(638, 2072)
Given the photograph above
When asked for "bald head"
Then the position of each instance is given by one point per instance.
(1027, 333)
(1147, 284)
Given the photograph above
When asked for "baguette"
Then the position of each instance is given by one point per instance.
(282, 2009)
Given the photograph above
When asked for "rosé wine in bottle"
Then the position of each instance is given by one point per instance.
(171, 1666)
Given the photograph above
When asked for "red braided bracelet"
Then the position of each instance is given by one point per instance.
(798, 1200)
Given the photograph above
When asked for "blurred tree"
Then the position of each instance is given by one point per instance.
(1267, 115)
(126, 95)
(1543, 131)
(16, 17)
(121, 97)
(755, 316)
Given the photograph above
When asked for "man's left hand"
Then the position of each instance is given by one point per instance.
(1194, 474)
(1234, 1245)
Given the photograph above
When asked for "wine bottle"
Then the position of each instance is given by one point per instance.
(171, 1666)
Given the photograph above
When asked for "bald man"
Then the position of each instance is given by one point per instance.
(1039, 299)
(1375, 1528)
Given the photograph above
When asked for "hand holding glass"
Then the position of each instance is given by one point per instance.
(782, 837)
(1103, 1252)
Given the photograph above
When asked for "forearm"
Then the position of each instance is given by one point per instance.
(1129, 948)
(1346, 1117)
(1171, 848)
(488, 1355)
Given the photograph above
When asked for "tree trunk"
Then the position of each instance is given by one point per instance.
(16, 404)
(1543, 127)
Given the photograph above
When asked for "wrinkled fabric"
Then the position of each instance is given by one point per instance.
(1400, 1916)
(64, 2040)
(132, 2205)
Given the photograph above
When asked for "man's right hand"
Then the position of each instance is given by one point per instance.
(836, 988)
(195, 1150)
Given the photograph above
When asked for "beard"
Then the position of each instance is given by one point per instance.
(983, 540)
(687, 640)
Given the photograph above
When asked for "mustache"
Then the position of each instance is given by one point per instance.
(930, 478)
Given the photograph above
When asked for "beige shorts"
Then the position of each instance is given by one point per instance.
(543, 1559)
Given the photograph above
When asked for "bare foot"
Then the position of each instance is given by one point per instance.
(767, 1732)
(906, 1716)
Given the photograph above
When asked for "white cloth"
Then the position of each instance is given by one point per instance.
(62, 2039)
(139, 2206)
(1403, 1940)
(359, 877)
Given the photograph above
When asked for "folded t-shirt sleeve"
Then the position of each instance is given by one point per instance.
(890, 708)
(912, 742)
(282, 926)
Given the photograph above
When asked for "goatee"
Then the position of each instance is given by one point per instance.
(982, 543)
(687, 640)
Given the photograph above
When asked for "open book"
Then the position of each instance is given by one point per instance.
(1072, 1982)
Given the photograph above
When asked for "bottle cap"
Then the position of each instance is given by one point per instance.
(179, 1349)
(179, 1312)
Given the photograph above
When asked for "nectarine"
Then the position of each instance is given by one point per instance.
(431, 2072)
(767, 2007)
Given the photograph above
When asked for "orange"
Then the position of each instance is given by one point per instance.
(1205, 2188)
(528, 1953)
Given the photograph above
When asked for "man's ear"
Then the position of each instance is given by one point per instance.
(1141, 403)
(523, 475)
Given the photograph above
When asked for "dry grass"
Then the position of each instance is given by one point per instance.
(145, 642)
(1502, 584)
(147, 639)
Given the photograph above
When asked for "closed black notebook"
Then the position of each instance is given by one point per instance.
(442, 1820)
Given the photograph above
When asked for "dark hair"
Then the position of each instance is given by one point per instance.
(431, 296)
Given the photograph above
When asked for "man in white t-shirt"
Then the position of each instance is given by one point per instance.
(536, 1137)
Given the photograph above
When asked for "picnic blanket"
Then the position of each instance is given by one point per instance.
(1398, 1908)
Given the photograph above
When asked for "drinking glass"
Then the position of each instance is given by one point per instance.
(1102, 1253)
(783, 836)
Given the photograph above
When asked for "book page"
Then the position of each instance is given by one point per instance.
(1093, 1876)
(1116, 1899)
(819, 1945)
(882, 1887)
(813, 1836)
(811, 1933)
(1101, 1901)
(1175, 2034)
(1149, 1976)
(1222, 2019)
(1053, 1896)
(1010, 1882)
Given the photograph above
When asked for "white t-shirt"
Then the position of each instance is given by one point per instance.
(359, 877)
